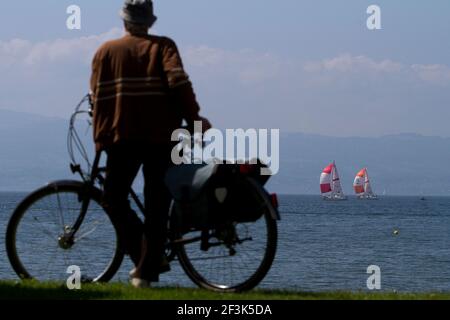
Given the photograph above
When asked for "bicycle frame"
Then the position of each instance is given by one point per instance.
(90, 180)
(95, 176)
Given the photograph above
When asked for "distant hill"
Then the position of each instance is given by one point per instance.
(404, 164)
(33, 151)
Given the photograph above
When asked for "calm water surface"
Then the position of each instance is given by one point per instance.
(329, 245)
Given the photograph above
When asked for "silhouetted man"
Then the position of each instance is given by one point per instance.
(141, 94)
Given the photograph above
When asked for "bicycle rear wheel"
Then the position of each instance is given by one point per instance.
(33, 238)
(241, 266)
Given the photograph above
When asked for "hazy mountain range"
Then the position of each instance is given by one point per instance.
(33, 151)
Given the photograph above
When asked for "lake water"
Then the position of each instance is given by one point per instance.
(329, 245)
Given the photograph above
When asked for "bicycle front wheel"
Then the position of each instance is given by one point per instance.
(35, 234)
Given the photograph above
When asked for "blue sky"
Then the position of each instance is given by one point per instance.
(308, 66)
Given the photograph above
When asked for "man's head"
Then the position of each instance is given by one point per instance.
(138, 16)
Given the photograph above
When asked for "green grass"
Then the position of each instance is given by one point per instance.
(115, 291)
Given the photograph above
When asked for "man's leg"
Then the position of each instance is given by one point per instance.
(157, 203)
(122, 166)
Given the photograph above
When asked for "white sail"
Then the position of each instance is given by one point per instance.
(336, 185)
(326, 180)
(367, 186)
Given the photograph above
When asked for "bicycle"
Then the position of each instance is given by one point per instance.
(64, 223)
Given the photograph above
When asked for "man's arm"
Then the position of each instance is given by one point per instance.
(95, 76)
(180, 86)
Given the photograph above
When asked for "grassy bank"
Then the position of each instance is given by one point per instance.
(35, 290)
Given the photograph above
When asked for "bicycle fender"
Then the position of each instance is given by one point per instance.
(57, 183)
(274, 213)
(75, 183)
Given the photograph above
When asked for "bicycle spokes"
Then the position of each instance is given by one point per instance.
(44, 241)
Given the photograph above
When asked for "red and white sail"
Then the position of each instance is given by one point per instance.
(362, 185)
(326, 179)
(330, 183)
(358, 183)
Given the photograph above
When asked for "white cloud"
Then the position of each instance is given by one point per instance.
(289, 93)
(251, 67)
(248, 66)
(354, 64)
(435, 73)
(204, 56)
(10, 51)
(25, 53)
(363, 66)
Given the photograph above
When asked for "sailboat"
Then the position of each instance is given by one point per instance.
(362, 186)
(330, 184)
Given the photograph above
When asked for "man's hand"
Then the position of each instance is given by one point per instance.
(206, 125)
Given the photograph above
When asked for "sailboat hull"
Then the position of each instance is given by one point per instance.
(334, 198)
(368, 197)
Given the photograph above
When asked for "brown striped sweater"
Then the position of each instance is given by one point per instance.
(140, 91)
